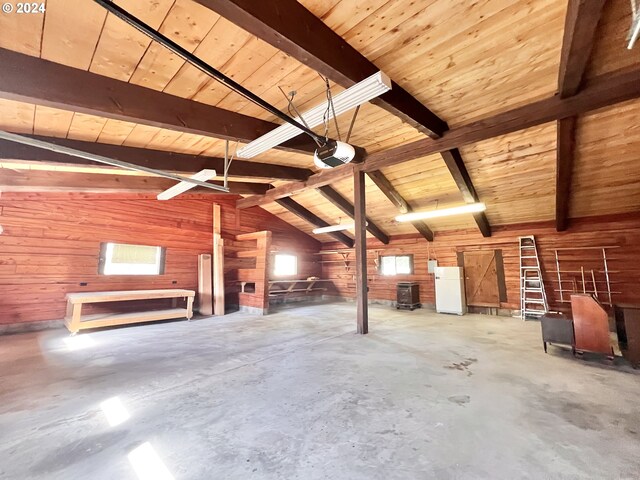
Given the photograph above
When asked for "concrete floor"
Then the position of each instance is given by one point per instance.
(297, 395)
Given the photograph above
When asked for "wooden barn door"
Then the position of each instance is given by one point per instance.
(481, 278)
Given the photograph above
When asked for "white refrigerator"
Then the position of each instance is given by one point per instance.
(450, 297)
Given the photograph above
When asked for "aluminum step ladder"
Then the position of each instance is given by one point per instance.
(533, 298)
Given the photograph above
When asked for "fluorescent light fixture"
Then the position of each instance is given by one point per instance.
(177, 189)
(147, 464)
(445, 212)
(634, 31)
(336, 228)
(114, 411)
(360, 93)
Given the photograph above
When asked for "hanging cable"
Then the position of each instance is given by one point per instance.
(295, 109)
(203, 66)
(353, 121)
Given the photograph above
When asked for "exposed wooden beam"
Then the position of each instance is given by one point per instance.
(345, 205)
(580, 27)
(603, 91)
(47, 181)
(41, 82)
(455, 164)
(290, 27)
(385, 186)
(158, 159)
(565, 156)
(310, 217)
(362, 303)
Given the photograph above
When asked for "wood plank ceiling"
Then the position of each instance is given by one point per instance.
(465, 60)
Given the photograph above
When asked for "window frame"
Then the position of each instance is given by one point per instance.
(284, 254)
(411, 265)
(102, 260)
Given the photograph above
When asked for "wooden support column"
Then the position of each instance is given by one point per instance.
(362, 288)
(580, 27)
(218, 263)
(343, 204)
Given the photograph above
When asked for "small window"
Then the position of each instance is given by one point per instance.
(123, 259)
(396, 265)
(285, 265)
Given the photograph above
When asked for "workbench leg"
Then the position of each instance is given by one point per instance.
(189, 308)
(76, 311)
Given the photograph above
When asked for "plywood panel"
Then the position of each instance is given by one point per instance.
(70, 33)
(515, 175)
(22, 33)
(16, 117)
(121, 47)
(606, 176)
(610, 50)
(187, 23)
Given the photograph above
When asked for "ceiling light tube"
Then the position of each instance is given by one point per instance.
(360, 93)
(445, 212)
(336, 228)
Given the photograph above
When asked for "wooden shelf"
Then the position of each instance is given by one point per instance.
(247, 253)
(110, 319)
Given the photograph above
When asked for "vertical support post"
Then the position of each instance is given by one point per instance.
(559, 276)
(263, 270)
(359, 203)
(218, 263)
(606, 273)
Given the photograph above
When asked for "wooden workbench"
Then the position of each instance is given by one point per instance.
(75, 321)
(309, 286)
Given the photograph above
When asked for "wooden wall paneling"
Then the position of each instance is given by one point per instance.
(606, 177)
(51, 243)
(621, 230)
(609, 51)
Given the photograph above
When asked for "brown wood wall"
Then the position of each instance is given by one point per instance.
(51, 243)
(622, 231)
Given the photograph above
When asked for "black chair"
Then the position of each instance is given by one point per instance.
(557, 328)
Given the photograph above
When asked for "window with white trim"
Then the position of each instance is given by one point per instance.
(396, 265)
(125, 259)
(285, 265)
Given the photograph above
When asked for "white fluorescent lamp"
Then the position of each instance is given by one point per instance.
(445, 212)
(360, 93)
(635, 29)
(336, 228)
(178, 188)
